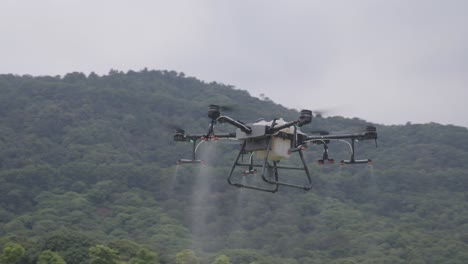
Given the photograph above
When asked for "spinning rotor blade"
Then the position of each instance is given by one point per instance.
(172, 127)
(227, 107)
(178, 133)
(320, 112)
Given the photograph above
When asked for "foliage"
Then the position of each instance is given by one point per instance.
(50, 257)
(73, 246)
(12, 253)
(187, 256)
(101, 254)
(145, 256)
(221, 259)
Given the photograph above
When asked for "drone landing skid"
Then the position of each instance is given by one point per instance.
(352, 160)
(275, 182)
(363, 161)
(187, 161)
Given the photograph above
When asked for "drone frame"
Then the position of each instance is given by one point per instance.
(298, 139)
(267, 166)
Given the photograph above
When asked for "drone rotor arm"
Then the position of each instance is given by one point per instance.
(246, 129)
(194, 137)
(353, 136)
(226, 135)
(304, 119)
(275, 129)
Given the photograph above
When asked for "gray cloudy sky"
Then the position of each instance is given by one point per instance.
(386, 61)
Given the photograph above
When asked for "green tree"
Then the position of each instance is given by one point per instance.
(101, 254)
(12, 253)
(187, 256)
(127, 249)
(72, 245)
(50, 257)
(145, 256)
(243, 255)
(222, 259)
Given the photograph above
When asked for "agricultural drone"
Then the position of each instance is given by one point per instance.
(266, 143)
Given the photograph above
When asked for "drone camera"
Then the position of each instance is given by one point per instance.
(213, 112)
(305, 118)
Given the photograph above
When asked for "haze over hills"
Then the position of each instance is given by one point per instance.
(88, 166)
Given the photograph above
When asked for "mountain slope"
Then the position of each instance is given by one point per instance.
(91, 158)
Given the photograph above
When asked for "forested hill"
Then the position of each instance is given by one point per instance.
(88, 175)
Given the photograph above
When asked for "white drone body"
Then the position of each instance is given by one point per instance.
(257, 140)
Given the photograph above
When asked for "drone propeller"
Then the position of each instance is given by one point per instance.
(171, 126)
(228, 108)
(178, 132)
(225, 107)
(319, 113)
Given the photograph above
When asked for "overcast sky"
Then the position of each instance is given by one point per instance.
(386, 61)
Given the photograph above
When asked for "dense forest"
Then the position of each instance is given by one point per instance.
(88, 175)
